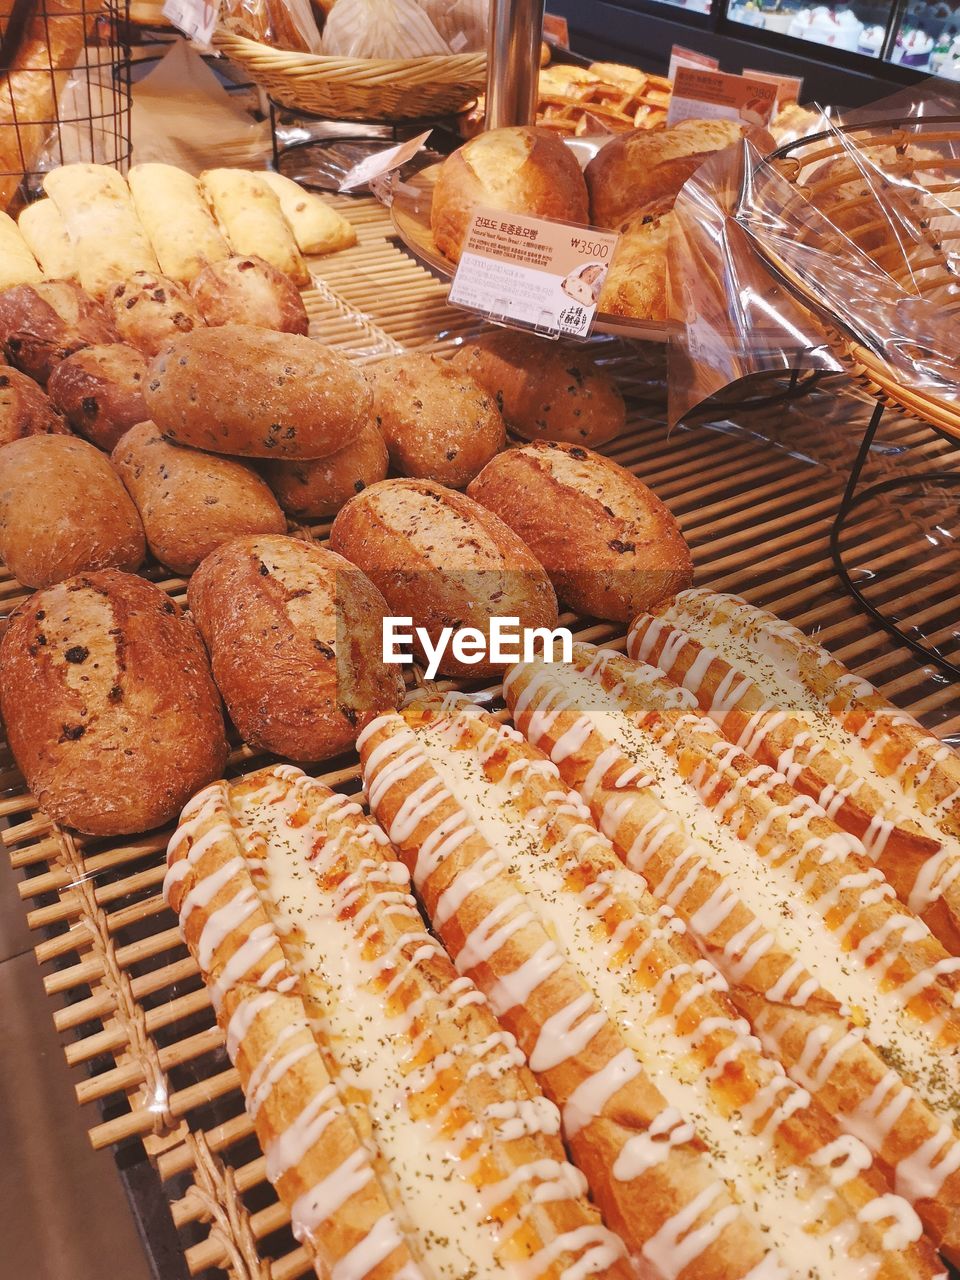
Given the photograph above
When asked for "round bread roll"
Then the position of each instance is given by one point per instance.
(294, 636)
(610, 546)
(249, 291)
(444, 561)
(41, 324)
(191, 502)
(520, 170)
(437, 422)
(545, 390)
(63, 510)
(247, 391)
(100, 390)
(312, 490)
(24, 408)
(149, 311)
(111, 712)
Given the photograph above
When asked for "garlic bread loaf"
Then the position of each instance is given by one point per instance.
(63, 510)
(249, 291)
(318, 487)
(294, 636)
(243, 390)
(110, 709)
(100, 391)
(41, 324)
(24, 408)
(191, 502)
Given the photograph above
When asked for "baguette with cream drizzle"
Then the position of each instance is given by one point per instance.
(676, 799)
(532, 900)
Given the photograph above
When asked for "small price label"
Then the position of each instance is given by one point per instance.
(197, 19)
(533, 273)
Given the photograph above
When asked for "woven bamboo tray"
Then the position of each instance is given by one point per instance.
(755, 494)
(359, 88)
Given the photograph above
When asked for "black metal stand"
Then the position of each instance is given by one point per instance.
(851, 502)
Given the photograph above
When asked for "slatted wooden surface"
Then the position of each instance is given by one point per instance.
(755, 490)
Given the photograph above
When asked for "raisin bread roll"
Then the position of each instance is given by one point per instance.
(25, 410)
(150, 310)
(317, 488)
(100, 391)
(41, 324)
(249, 291)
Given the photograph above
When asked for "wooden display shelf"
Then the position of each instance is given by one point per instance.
(755, 492)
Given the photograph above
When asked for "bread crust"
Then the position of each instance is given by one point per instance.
(25, 410)
(242, 390)
(443, 560)
(317, 488)
(151, 310)
(63, 510)
(605, 539)
(545, 390)
(294, 635)
(191, 502)
(249, 291)
(636, 284)
(41, 324)
(110, 708)
(100, 391)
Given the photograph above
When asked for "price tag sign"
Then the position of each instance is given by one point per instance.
(533, 273)
(714, 95)
(197, 19)
(382, 162)
(681, 57)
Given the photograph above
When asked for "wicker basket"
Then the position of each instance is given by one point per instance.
(359, 88)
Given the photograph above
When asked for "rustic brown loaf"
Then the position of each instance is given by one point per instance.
(437, 422)
(607, 542)
(25, 410)
(100, 391)
(294, 635)
(521, 170)
(41, 324)
(636, 284)
(247, 391)
(249, 291)
(109, 706)
(150, 310)
(63, 510)
(313, 489)
(545, 390)
(443, 560)
(191, 502)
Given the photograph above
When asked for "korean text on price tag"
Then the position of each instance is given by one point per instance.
(534, 273)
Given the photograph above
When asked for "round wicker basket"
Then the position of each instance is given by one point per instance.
(359, 88)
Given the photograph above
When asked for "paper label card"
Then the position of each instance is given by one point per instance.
(197, 19)
(714, 95)
(382, 162)
(681, 57)
(533, 273)
(788, 87)
(557, 29)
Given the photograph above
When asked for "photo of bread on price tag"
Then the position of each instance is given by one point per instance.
(584, 284)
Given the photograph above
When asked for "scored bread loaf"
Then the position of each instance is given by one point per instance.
(309, 490)
(248, 213)
(150, 311)
(294, 635)
(24, 408)
(108, 702)
(174, 214)
(45, 232)
(41, 324)
(249, 291)
(100, 391)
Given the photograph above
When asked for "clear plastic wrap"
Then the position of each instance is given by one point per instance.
(405, 28)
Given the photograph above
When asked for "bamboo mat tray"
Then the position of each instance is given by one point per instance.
(755, 491)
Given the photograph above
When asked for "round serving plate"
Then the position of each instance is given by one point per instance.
(412, 197)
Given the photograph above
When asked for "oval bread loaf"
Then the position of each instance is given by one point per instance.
(242, 390)
(545, 390)
(437, 422)
(63, 509)
(100, 391)
(313, 489)
(610, 546)
(41, 324)
(191, 502)
(443, 560)
(110, 708)
(25, 410)
(151, 310)
(250, 291)
(294, 635)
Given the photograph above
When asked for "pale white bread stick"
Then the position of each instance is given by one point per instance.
(45, 232)
(249, 215)
(773, 924)
(97, 209)
(17, 263)
(181, 229)
(317, 226)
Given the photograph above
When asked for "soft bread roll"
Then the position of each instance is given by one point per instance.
(45, 232)
(24, 408)
(181, 228)
(437, 422)
(63, 510)
(191, 502)
(636, 284)
(151, 310)
(545, 390)
(604, 538)
(41, 324)
(248, 213)
(250, 291)
(316, 225)
(247, 391)
(294, 635)
(100, 391)
(311, 490)
(108, 703)
(98, 211)
(17, 263)
(645, 166)
(522, 170)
